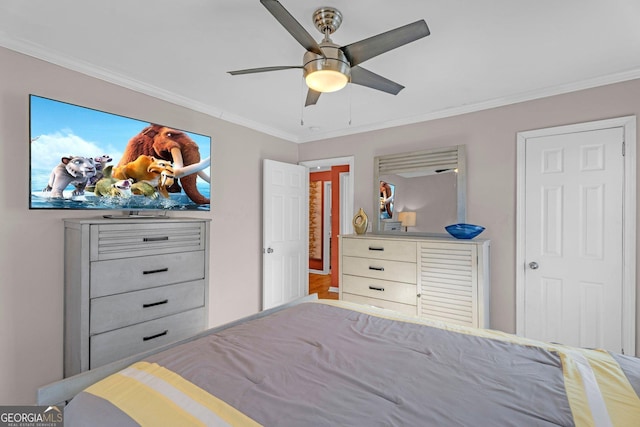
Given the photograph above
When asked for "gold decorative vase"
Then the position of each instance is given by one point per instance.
(360, 222)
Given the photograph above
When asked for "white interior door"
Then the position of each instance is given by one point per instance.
(285, 233)
(573, 256)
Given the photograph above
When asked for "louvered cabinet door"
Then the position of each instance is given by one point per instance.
(454, 282)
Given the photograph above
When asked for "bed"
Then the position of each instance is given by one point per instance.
(332, 363)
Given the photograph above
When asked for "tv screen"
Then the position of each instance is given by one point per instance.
(82, 158)
(387, 199)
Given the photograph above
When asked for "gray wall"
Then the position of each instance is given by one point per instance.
(31, 242)
(490, 138)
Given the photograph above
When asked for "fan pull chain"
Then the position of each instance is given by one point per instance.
(350, 109)
(302, 104)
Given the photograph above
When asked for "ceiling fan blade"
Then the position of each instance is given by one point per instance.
(363, 50)
(363, 77)
(290, 24)
(262, 69)
(312, 97)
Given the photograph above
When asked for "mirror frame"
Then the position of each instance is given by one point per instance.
(419, 161)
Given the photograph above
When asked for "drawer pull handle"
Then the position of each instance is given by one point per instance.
(153, 304)
(376, 248)
(374, 288)
(160, 270)
(151, 337)
(376, 268)
(155, 239)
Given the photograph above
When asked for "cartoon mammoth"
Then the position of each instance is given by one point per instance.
(176, 147)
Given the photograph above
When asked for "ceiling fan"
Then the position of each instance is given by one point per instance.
(328, 67)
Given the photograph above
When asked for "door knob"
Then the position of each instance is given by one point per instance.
(269, 250)
(533, 265)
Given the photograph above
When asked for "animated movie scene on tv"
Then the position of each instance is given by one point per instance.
(88, 159)
(387, 193)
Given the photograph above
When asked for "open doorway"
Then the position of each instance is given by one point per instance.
(330, 214)
(320, 215)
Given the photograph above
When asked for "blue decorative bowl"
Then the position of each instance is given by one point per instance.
(464, 231)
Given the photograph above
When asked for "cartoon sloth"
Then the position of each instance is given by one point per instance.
(176, 147)
(121, 188)
(147, 172)
(104, 185)
(110, 185)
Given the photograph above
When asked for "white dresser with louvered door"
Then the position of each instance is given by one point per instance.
(132, 285)
(440, 278)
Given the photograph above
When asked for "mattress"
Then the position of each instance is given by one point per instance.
(331, 363)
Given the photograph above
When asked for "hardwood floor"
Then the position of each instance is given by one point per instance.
(320, 284)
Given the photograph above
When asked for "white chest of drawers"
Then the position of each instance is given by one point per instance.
(132, 285)
(437, 277)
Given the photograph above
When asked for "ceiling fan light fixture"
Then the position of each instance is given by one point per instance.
(326, 80)
(329, 73)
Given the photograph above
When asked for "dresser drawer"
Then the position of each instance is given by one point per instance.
(117, 311)
(404, 293)
(111, 241)
(131, 274)
(379, 248)
(381, 303)
(380, 269)
(111, 346)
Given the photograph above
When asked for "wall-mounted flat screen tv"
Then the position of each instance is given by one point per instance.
(82, 158)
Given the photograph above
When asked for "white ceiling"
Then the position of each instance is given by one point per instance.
(480, 54)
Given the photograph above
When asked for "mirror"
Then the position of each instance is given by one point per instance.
(420, 192)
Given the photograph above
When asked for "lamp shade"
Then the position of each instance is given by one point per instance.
(326, 80)
(408, 219)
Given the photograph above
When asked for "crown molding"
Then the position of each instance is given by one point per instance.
(91, 70)
(78, 65)
(485, 105)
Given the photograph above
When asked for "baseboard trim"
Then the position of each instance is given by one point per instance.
(334, 289)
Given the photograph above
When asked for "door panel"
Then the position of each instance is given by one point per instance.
(573, 254)
(285, 233)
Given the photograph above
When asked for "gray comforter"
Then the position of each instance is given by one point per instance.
(324, 365)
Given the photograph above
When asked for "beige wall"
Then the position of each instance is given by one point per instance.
(31, 242)
(490, 138)
(31, 265)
